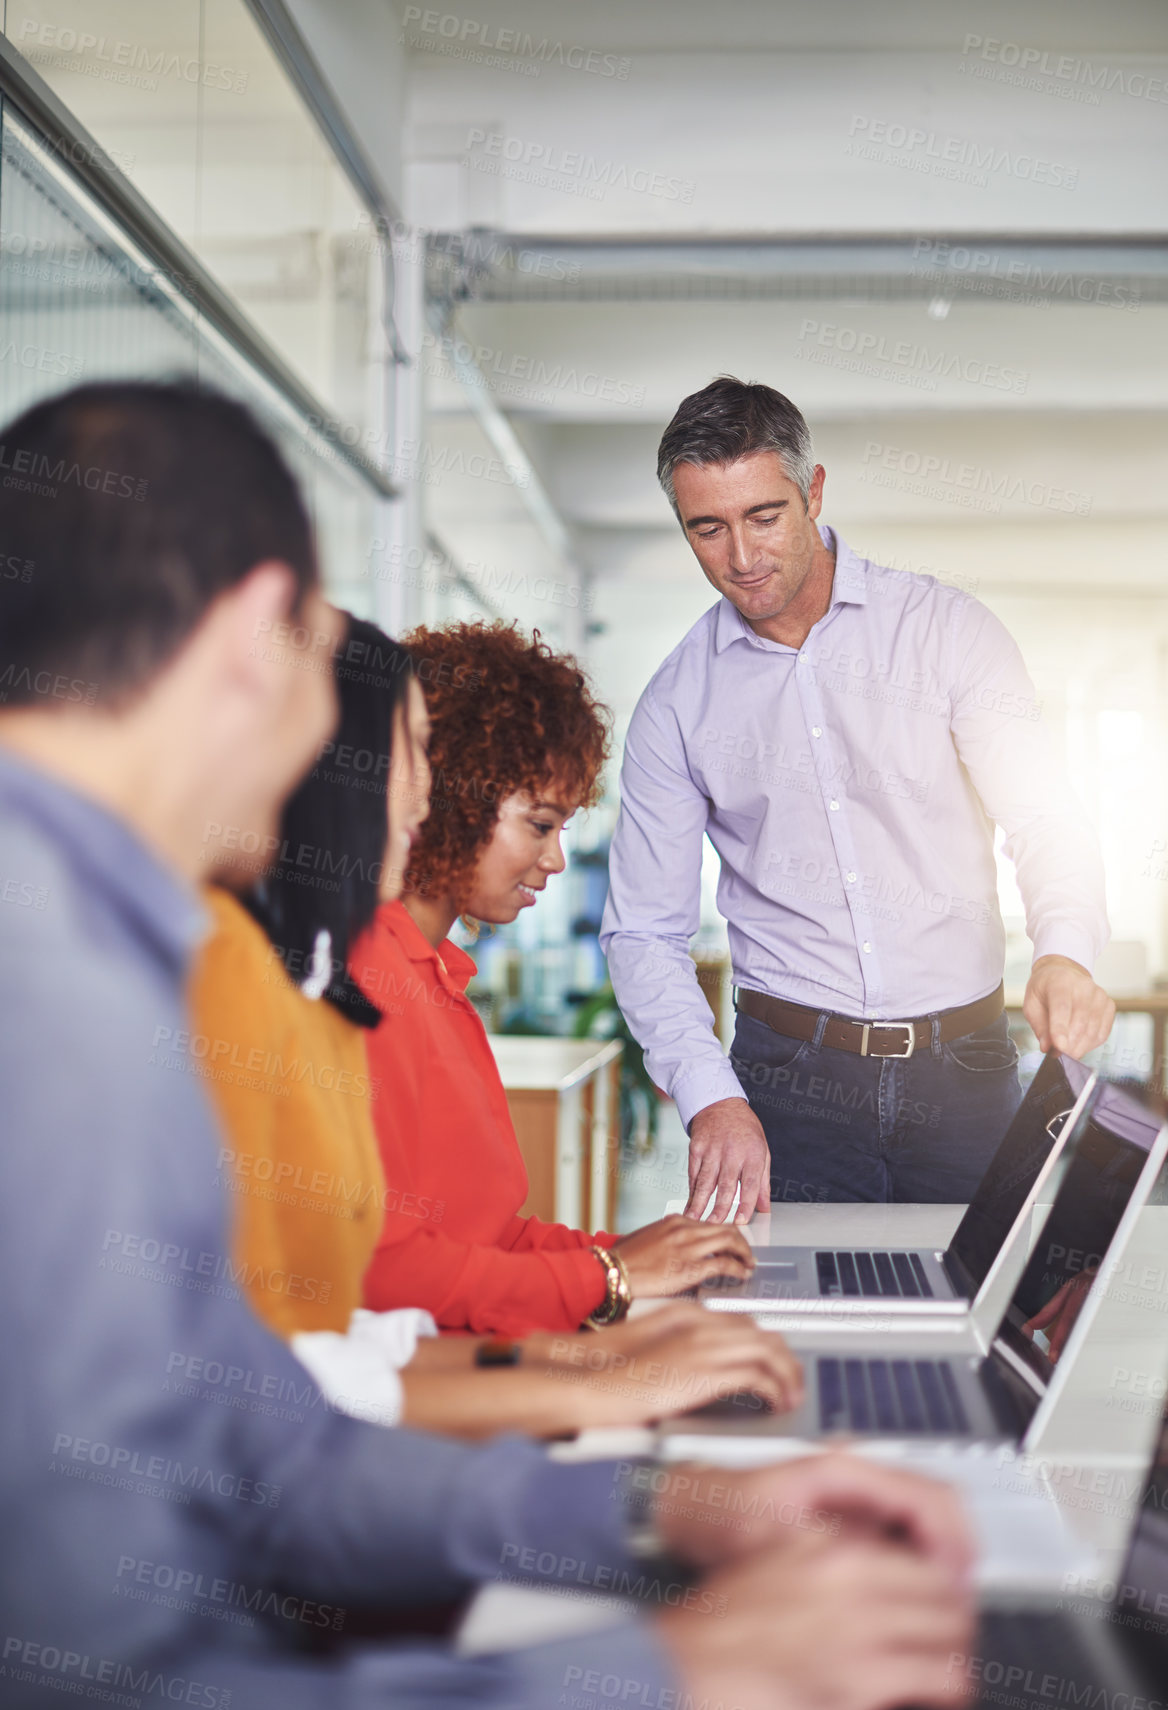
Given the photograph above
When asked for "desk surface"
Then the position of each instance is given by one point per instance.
(533, 1064)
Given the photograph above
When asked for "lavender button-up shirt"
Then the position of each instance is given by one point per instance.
(850, 788)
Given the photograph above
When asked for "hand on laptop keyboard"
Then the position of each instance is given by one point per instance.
(842, 1584)
(677, 1253)
(671, 1360)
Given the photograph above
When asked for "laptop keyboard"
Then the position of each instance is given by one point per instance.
(906, 1396)
(899, 1274)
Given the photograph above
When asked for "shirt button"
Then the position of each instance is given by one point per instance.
(867, 948)
(816, 731)
(834, 806)
(851, 878)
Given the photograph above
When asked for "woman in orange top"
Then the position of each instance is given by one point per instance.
(290, 1082)
(518, 744)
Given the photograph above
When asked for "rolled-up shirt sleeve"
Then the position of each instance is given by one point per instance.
(1007, 750)
(654, 910)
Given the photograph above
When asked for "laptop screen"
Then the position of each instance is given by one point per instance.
(1014, 1169)
(1111, 1151)
(1141, 1597)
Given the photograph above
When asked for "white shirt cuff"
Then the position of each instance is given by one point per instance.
(357, 1373)
(698, 1090)
(1064, 938)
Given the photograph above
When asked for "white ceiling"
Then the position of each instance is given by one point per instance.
(778, 139)
(620, 362)
(757, 111)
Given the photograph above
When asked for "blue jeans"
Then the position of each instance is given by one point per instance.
(907, 1129)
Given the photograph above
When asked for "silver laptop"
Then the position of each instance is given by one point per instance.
(980, 1265)
(891, 1387)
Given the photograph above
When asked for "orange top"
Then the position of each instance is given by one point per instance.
(290, 1084)
(453, 1241)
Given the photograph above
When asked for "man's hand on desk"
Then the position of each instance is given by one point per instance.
(727, 1146)
(1065, 1007)
(841, 1584)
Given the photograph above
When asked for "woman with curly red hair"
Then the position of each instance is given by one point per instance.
(518, 745)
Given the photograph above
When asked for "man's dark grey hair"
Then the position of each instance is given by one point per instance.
(729, 419)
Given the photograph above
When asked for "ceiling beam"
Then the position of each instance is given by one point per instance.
(495, 266)
(499, 432)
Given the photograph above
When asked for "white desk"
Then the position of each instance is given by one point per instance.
(564, 1099)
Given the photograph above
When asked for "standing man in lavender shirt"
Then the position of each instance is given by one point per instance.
(846, 736)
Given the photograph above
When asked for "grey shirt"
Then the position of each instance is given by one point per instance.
(183, 1518)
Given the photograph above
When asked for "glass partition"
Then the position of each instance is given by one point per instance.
(79, 300)
(191, 103)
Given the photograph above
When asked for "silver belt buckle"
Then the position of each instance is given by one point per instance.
(910, 1031)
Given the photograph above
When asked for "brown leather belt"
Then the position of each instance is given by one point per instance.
(867, 1038)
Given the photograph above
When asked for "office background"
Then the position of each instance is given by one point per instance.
(466, 260)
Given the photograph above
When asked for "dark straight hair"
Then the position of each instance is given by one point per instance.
(334, 828)
(126, 508)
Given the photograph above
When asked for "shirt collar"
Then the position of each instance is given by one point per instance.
(115, 866)
(448, 958)
(849, 588)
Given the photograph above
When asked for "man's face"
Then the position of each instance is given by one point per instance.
(750, 530)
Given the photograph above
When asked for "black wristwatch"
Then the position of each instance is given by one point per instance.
(498, 1351)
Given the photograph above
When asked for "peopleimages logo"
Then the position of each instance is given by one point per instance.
(903, 360)
(494, 151)
(944, 477)
(1079, 77)
(476, 250)
(962, 158)
(117, 61)
(195, 1593)
(36, 466)
(498, 366)
(121, 1464)
(518, 50)
(983, 270)
(33, 1663)
(37, 356)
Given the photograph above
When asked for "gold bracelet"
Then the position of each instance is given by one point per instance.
(602, 1314)
(618, 1296)
(625, 1287)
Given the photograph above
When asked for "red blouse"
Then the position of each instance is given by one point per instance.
(453, 1241)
